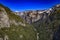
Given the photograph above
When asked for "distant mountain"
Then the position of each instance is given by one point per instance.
(13, 27)
(32, 16)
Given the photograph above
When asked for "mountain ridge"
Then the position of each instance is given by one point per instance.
(13, 27)
(35, 15)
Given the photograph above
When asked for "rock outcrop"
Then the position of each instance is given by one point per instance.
(4, 20)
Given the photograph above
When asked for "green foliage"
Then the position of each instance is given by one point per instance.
(14, 32)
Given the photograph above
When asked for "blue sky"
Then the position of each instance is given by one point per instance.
(22, 5)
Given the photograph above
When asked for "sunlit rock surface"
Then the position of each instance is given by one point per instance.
(4, 20)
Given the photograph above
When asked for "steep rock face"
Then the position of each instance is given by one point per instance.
(4, 20)
(33, 16)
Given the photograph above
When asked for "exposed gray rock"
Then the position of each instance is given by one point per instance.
(6, 37)
(4, 20)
